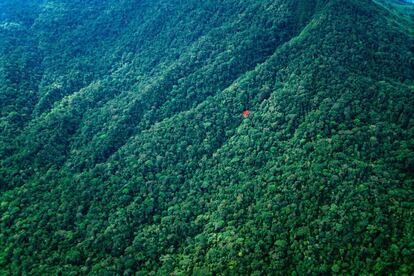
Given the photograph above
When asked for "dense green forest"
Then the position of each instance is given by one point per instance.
(124, 149)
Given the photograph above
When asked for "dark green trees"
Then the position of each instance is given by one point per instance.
(124, 149)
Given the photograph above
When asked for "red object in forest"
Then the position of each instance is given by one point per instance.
(246, 113)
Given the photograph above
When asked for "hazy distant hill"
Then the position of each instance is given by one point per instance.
(125, 147)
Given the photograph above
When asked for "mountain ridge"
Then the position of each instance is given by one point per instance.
(155, 171)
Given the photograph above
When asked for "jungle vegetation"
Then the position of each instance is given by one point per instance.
(125, 148)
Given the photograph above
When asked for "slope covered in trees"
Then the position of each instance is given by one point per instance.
(123, 146)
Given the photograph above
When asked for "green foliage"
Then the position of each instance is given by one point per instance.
(123, 149)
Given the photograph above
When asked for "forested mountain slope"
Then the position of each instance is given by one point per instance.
(123, 148)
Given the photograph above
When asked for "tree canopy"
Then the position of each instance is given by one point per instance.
(210, 137)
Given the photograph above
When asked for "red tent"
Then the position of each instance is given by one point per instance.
(246, 113)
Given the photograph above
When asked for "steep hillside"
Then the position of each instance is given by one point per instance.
(124, 149)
